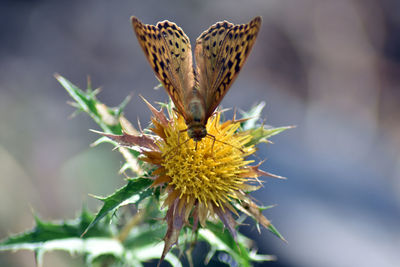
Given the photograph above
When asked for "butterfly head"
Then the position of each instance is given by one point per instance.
(197, 131)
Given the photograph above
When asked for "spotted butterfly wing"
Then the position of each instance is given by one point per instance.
(168, 50)
(220, 53)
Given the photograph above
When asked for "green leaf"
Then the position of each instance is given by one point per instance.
(253, 114)
(133, 192)
(63, 235)
(45, 231)
(146, 235)
(222, 240)
(275, 231)
(143, 244)
(105, 117)
(261, 134)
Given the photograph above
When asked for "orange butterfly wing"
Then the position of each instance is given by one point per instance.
(220, 53)
(168, 50)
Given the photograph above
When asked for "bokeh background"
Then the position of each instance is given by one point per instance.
(330, 67)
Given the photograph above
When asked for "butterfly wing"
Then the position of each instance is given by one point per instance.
(220, 53)
(167, 48)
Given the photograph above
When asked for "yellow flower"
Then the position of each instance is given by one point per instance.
(203, 180)
(210, 174)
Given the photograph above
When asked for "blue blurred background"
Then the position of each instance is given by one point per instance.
(330, 67)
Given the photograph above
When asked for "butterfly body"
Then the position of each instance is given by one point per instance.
(195, 117)
(220, 52)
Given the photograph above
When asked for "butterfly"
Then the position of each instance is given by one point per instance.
(220, 53)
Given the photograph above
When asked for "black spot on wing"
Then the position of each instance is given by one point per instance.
(237, 67)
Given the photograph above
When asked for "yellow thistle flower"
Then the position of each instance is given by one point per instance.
(204, 180)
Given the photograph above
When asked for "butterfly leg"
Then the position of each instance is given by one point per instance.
(213, 138)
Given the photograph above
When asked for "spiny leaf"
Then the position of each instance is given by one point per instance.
(134, 188)
(275, 231)
(88, 103)
(47, 231)
(253, 114)
(223, 241)
(261, 134)
(143, 243)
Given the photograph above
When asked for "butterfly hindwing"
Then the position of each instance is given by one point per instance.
(168, 50)
(220, 53)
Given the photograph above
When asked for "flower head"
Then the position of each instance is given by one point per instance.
(209, 172)
(207, 179)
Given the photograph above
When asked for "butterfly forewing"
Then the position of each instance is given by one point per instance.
(168, 50)
(220, 53)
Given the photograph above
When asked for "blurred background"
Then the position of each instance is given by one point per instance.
(332, 68)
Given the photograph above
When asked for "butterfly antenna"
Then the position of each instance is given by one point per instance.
(225, 143)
